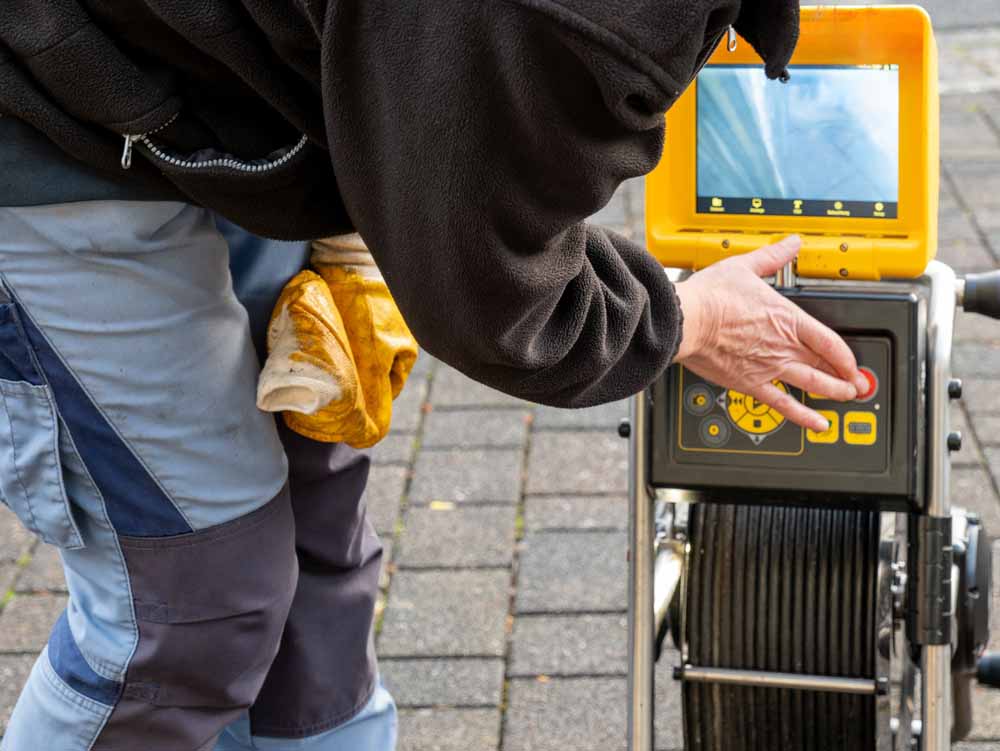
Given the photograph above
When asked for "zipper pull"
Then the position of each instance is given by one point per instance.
(731, 44)
(127, 151)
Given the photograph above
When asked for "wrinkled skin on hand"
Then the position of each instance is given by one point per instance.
(742, 334)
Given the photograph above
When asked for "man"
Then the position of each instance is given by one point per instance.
(466, 140)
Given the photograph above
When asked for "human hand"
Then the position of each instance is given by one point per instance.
(742, 334)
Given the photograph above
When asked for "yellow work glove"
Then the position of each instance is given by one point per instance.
(340, 351)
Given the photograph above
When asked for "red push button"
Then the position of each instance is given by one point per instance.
(872, 379)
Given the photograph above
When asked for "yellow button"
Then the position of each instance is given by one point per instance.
(758, 424)
(831, 434)
(860, 428)
(737, 406)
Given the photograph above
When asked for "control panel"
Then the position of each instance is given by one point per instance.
(716, 424)
(713, 440)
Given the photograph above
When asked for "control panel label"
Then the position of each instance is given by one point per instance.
(724, 427)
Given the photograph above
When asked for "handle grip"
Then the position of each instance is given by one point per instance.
(982, 294)
(988, 670)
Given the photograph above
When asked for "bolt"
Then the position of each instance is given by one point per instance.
(882, 686)
(955, 441)
(955, 388)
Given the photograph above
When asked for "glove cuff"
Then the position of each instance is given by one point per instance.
(346, 251)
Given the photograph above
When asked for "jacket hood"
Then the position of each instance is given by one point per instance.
(677, 35)
(772, 29)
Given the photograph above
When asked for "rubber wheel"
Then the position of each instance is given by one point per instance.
(788, 590)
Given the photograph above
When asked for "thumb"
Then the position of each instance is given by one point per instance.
(767, 260)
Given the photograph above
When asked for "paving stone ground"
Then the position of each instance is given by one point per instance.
(503, 626)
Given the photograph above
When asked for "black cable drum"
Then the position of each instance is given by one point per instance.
(788, 590)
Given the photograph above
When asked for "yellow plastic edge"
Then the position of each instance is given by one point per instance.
(854, 248)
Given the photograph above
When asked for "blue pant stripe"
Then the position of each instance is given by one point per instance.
(136, 505)
(70, 665)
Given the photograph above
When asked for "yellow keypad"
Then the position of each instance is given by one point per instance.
(831, 434)
(860, 428)
(752, 416)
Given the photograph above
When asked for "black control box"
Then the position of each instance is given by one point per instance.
(724, 446)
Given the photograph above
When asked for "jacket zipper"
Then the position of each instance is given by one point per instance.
(131, 138)
(730, 45)
(228, 162)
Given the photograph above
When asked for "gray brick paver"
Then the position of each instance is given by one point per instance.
(453, 389)
(383, 496)
(971, 452)
(966, 132)
(961, 246)
(978, 181)
(971, 488)
(543, 512)
(44, 573)
(603, 417)
(464, 475)
(26, 621)
(408, 406)
(476, 428)
(15, 540)
(444, 682)
(572, 572)
(569, 645)
(395, 448)
(449, 729)
(975, 328)
(986, 714)
(457, 536)
(976, 360)
(586, 462)
(981, 395)
(445, 613)
(583, 714)
(987, 429)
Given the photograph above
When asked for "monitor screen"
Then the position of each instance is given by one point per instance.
(824, 144)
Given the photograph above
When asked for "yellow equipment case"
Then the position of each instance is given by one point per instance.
(885, 226)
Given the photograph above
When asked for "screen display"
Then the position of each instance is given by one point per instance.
(824, 144)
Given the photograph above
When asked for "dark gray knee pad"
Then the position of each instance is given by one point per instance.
(210, 607)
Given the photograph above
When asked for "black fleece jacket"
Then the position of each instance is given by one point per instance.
(466, 140)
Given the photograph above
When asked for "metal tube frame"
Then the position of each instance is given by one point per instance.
(935, 667)
(641, 636)
(768, 679)
(935, 659)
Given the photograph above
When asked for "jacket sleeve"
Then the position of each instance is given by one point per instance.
(470, 141)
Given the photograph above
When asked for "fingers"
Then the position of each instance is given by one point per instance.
(832, 349)
(767, 260)
(815, 381)
(790, 407)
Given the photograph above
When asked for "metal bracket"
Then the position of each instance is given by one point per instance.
(929, 607)
(769, 679)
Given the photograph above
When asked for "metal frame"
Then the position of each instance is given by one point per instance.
(642, 540)
(935, 661)
(935, 723)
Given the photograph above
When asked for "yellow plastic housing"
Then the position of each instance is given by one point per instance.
(833, 247)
